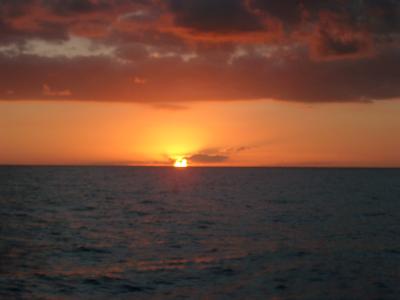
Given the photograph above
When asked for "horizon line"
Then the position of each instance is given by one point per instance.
(207, 166)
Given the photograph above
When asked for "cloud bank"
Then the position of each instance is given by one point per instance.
(197, 50)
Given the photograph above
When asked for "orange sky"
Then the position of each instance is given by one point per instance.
(227, 82)
(271, 133)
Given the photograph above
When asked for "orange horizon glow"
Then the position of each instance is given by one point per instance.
(258, 133)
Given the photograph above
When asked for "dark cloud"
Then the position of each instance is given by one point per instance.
(14, 8)
(66, 7)
(207, 158)
(377, 16)
(214, 15)
(329, 45)
(132, 52)
(15, 24)
(219, 155)
(336, 38)
(287, 11)
(195, 50)
(383, 15)
(172, 80)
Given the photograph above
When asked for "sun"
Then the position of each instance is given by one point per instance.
(181, 163)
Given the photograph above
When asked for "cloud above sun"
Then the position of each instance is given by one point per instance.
(173, 51)
(212, 156)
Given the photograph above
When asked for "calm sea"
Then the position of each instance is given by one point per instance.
(199, 233)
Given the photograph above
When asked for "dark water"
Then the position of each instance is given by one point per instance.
(200, 233)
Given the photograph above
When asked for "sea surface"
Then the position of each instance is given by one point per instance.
(199, 233)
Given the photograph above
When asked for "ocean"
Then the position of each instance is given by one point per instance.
(199, 233)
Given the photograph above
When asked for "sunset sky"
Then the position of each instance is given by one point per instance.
(218, 82)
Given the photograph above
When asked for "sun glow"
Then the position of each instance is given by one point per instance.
(181, 163)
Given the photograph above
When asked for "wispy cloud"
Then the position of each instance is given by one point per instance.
(217, 155)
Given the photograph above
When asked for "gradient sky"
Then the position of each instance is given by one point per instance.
(220, 82)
